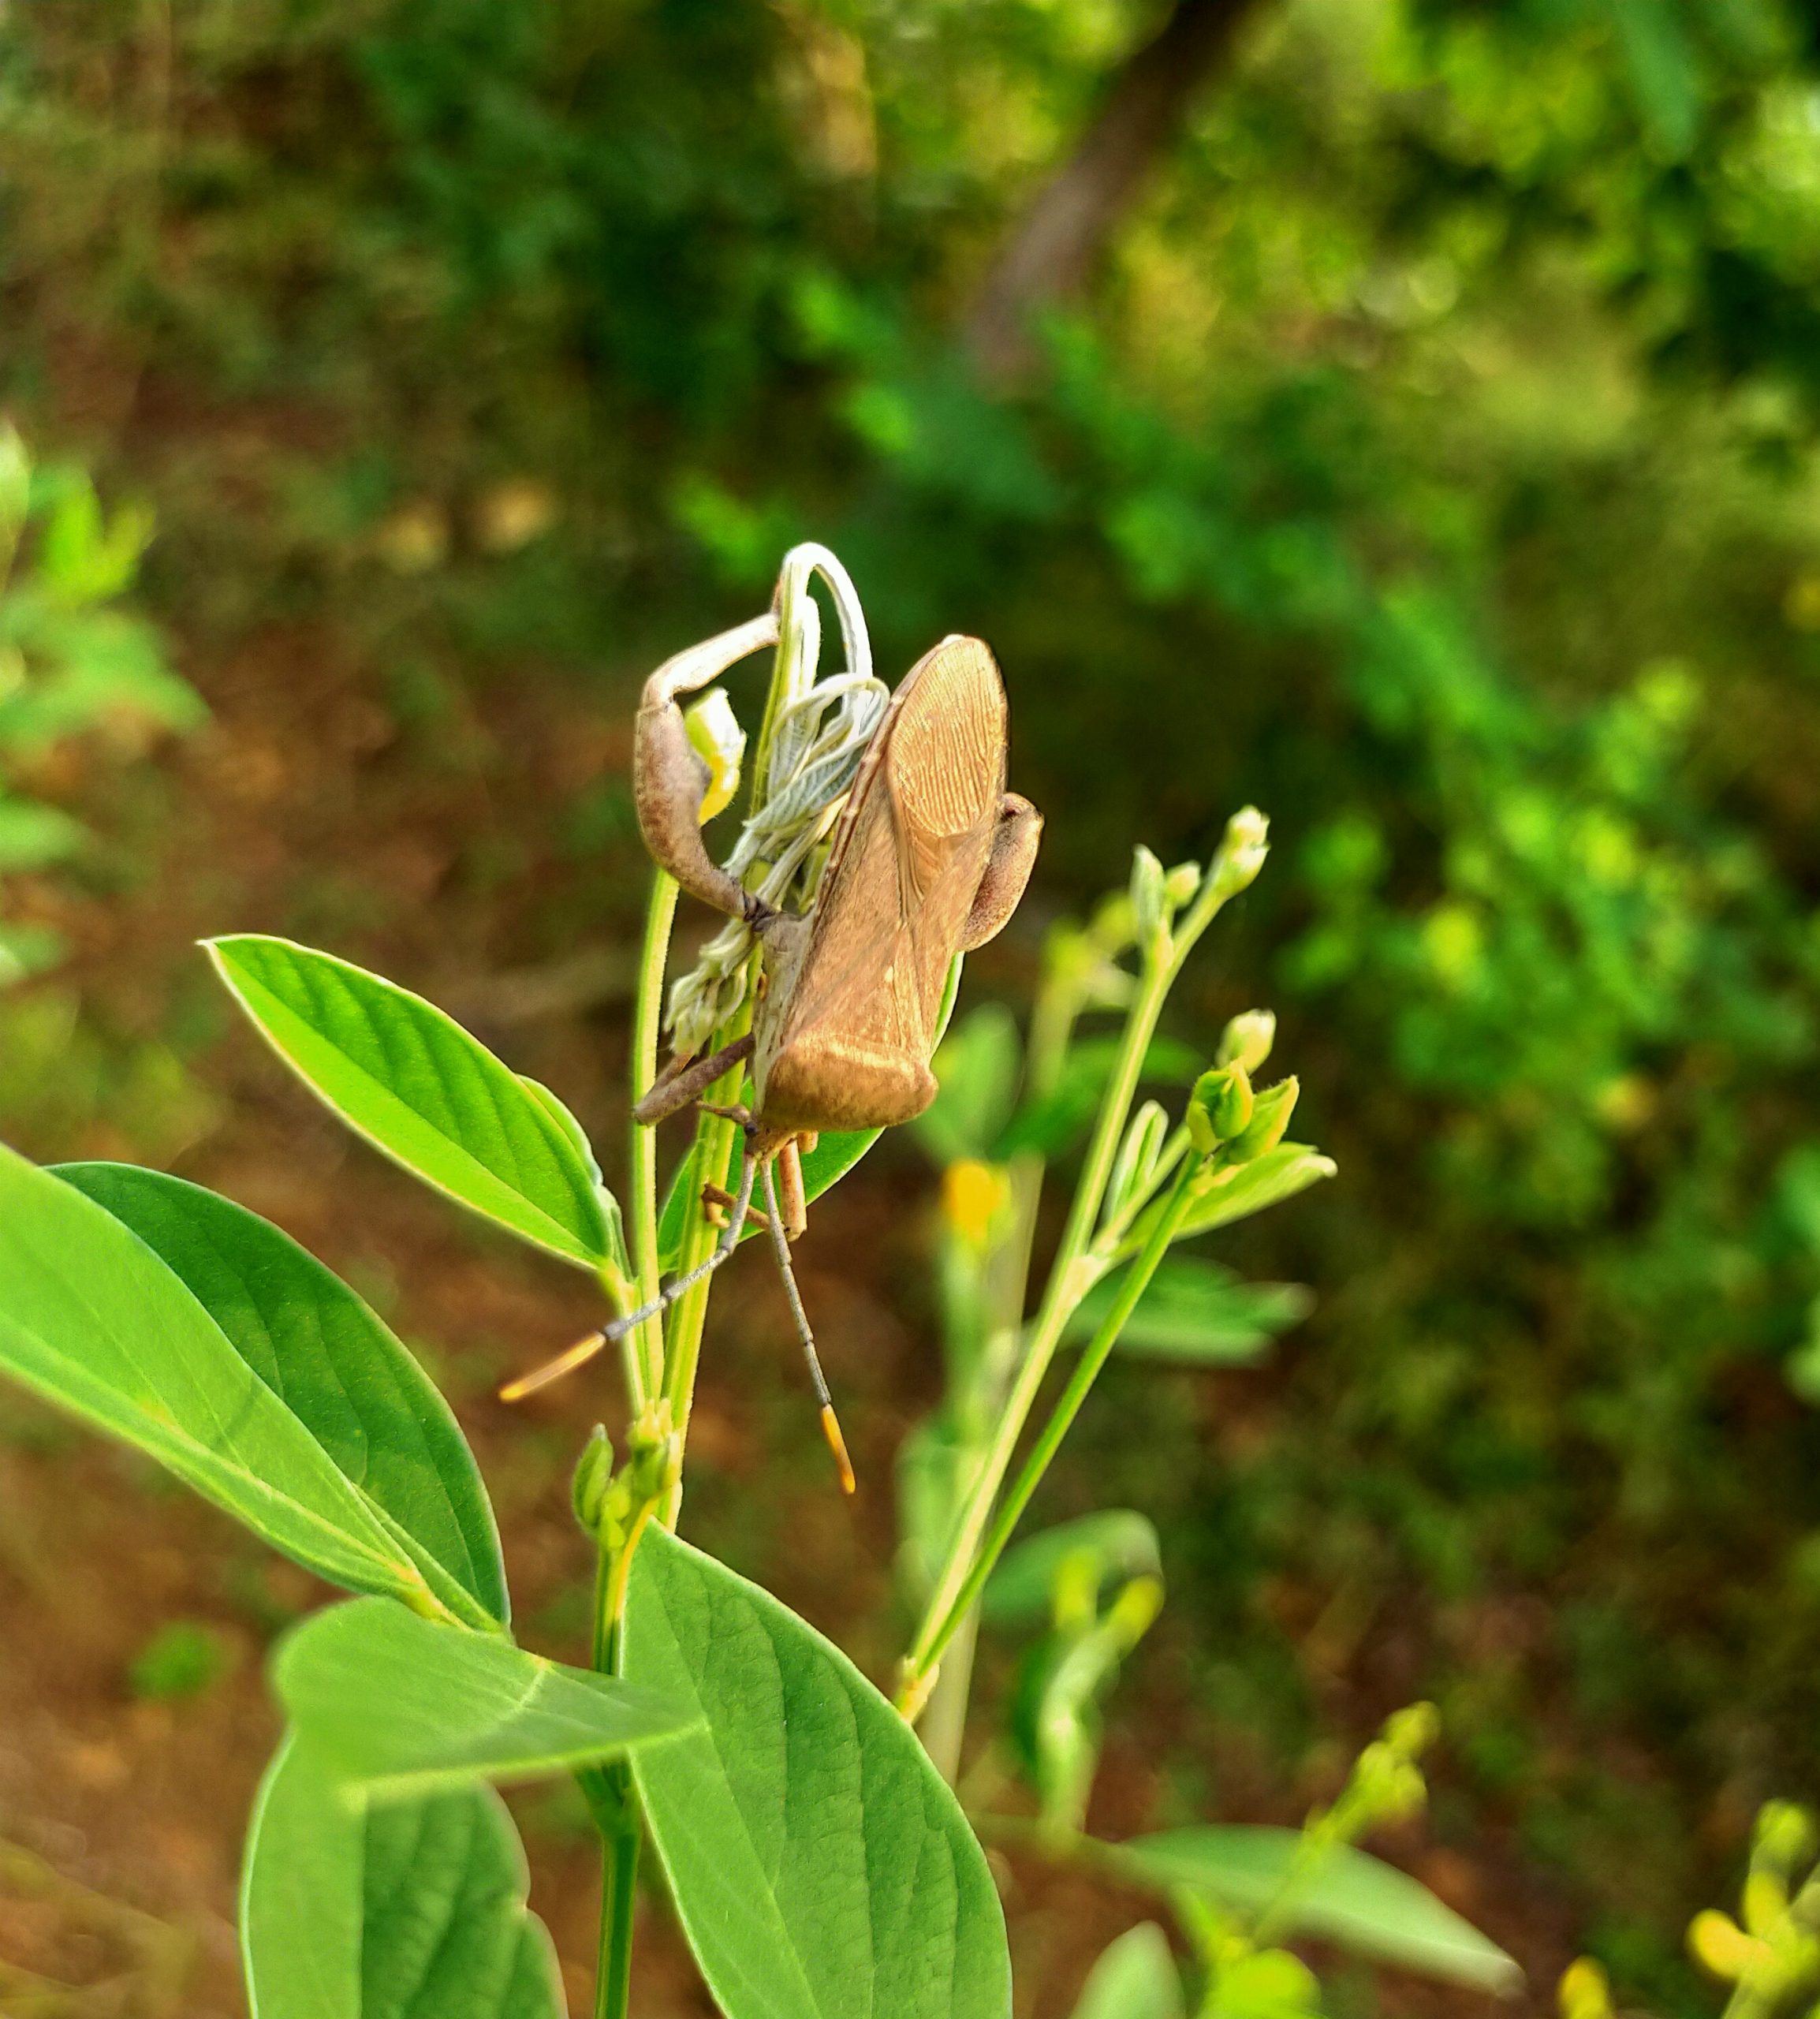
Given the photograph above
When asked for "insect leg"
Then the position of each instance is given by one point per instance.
(790, 1186)
(729, 1239)
(677, 1085)
(715, 1200)
(831, 1423)
(1015, 835)
(669, 779)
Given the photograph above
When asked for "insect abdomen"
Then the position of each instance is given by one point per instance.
(825, 1082)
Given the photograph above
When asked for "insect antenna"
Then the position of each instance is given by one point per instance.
(831, 1423)
(678, 1285)
(584, 1350)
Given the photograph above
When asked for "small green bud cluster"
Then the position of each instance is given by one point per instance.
(1156, 895)
(1227, 1115)
(608, 1504)
(1772, 1951)
(1385, 1784)
(1241, 852)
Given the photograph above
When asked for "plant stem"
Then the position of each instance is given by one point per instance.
(645, 1364)
(618, 1902)
(1069, 1279)
(1062, 1293)
(614, 1800)
(1067, 1407)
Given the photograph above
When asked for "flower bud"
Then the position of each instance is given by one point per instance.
(1584, 1992)
(1270, 1113)
(1180, 884)
(1220, 1107)
(1148, 898)
(714, 731)
(1785, 1835)
(1246, 1039)
(1765, 1902)
(1241, 852)
(1411, 1731)
(1718, 1944)
(1135, 1609)
(593, 1475)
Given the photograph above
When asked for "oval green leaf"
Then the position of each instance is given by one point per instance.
(1351, 1898)
(91, 1319)
(1136, 1978)
(409, 1079)
(1115, 1542)
(409, 1910)
(1249, 1188)
(399, 1705)
(1195, 1313)
(329, 1358)
(822, 1867)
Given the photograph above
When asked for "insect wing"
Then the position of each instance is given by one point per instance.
(909, 858)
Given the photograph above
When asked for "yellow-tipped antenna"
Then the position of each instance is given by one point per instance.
(579, 1355)
(838, 1444)
(583, 1350)
(831, 1423)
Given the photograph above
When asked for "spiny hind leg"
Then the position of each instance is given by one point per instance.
(1008, 867)
(681, 1082)
(790, 1192)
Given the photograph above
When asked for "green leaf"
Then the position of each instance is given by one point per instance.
(90, 1318)
(330, 1359)
(1196, 1312)
(977, 1067)
(1136, 1978)
(1352, 1898)
(411, 1080)
(32, 836)
(1117, 1541)
(1237, 1194)
(401, 1705)
(577, 1135)
(410, 1910)
(821, 1867)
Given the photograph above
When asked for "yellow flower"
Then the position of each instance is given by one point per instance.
(1583, 1992)
(971, 1194)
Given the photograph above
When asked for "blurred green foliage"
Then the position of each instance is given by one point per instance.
(71, 665)
(182, 1658)
(1433, 463)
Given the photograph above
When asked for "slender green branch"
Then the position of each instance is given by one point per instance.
(645, 1365)
(717, 1140)
(1234, 867)
(1063, 1293)
(618, 1903)
(1066, 1408)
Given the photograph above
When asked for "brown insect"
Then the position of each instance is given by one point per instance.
(929, 858)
